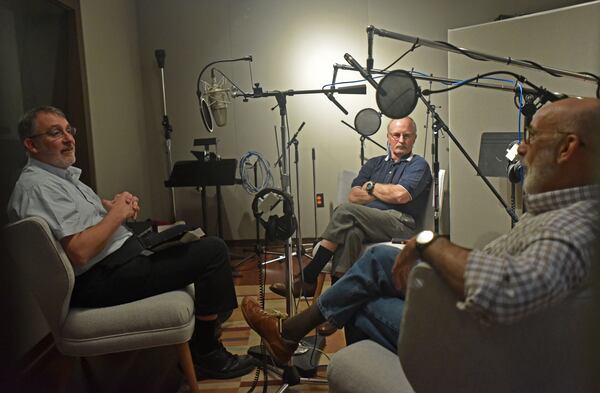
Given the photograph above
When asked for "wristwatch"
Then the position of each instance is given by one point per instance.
(370, 187)
(424, 239)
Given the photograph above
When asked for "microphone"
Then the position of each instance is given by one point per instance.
(217, 100)
(160, 55)
(354, 89)
(213, 104)
(330, 94)
(370, 29)
(361, 70)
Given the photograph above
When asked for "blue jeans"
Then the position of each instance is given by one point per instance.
(365, 297)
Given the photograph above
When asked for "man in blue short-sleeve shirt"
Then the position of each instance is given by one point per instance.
(387, 199)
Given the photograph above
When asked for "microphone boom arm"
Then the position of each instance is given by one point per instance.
(444, 80)
(246, 58)
(483, 56)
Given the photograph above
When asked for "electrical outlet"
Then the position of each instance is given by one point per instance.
(320, 200)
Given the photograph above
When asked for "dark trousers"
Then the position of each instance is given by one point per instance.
(204, 263)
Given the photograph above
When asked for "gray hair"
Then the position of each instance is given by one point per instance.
(27, 124)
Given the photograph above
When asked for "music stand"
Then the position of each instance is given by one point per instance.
(492, 152)
(196, 173)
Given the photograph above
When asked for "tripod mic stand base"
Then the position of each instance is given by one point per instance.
(305, 363)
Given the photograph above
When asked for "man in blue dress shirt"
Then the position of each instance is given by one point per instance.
(111, 265)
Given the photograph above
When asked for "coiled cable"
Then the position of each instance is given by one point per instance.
(262, 170)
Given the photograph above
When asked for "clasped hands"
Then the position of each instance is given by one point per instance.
(125, 204)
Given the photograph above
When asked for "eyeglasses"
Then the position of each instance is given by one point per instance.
(396, 138)
(56, 132)
(532, 134)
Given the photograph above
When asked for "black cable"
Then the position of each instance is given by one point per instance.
(456, 48)
(541, 68)
(262, 272)
(510, 60)
(415, 46)
(247, 58)
(518, 77)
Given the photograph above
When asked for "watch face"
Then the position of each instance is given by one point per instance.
(425, 237)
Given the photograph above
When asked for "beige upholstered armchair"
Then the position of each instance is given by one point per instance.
(443, 349)
(166, 319)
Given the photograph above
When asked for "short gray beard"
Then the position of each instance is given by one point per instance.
(538, 175)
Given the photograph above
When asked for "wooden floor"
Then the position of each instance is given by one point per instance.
(238, 337)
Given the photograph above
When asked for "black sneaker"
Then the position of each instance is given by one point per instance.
(222, 364)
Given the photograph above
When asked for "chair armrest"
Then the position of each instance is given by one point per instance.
(366, 367)
(442, 348)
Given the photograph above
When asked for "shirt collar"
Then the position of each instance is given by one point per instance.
(405, 158)
(557, 199)
(71, 173)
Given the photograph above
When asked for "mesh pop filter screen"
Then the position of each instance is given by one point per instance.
(206, 115)
(367, 121)
(397, 94)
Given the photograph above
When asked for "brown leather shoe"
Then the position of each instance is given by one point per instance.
(326, 329)
(306, 288)
(266, 326)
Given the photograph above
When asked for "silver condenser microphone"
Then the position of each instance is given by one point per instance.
(218, 98)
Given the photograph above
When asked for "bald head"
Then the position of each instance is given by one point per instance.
(562, 145)
(404, 123)
(580, 116)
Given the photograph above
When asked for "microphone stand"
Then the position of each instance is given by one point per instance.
(314, 179)
(439, 124)
(300, 252)
(290, 373)
(362, 143)
(168, 130)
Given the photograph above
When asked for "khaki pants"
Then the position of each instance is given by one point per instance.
(352, 225)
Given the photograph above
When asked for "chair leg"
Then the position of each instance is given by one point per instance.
(319, 288)
(187, 365)
(65, 378)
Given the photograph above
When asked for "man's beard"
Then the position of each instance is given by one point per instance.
(538, 174)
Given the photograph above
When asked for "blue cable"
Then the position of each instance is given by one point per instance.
(263, 171)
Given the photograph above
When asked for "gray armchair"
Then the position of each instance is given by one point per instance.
(166, 319)
(442, 349)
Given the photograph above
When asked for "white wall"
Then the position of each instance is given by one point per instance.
(294, 45)
(565, 39)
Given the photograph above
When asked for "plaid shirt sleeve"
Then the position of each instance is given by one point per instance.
(509, 282)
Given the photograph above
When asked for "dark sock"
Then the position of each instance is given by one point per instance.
(205, 338)
(299, 325)
(312, 270)
(335, 279)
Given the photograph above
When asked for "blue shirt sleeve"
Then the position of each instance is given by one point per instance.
(365, 174)
(57, 209)
(416, 177)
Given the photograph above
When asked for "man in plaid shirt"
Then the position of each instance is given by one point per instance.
(544, 258)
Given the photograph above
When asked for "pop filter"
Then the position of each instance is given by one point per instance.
(367, 121)
(207, 118)
(397, 94)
